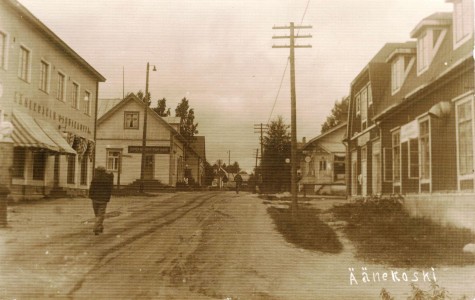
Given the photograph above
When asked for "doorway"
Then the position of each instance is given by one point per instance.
(149, 167)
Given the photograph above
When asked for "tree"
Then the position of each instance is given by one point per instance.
(276, 144)
(234, 168)
(161, 108)
(187, 118)
(338, 115)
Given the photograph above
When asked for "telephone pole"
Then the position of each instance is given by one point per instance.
(293, 103)
(260, 128)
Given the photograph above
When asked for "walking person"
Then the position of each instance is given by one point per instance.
(238, 181)
(100, 194)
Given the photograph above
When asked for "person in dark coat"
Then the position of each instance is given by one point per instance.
(100, 193)
(238, 180)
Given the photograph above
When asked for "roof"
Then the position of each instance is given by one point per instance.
(133, 97)
(382, 56)
(436, 19)
(172, 120)
(327, 145)
(104, 105)
(25, 14)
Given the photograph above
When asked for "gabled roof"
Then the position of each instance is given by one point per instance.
(435, 20)
(133, 97)
(104, 105)
(329, 146)
(25, 14)
(382, 56)
(445, 61)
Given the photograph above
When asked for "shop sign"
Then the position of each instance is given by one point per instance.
(363, 139)
(150, 149)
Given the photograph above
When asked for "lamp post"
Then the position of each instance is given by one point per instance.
(146, 101)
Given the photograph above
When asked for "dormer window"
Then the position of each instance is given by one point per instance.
(401, 60)
(462, 21)
(430, 33)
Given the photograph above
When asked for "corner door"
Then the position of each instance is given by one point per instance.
(149, 168)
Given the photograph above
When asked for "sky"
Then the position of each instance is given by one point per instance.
(219, 55)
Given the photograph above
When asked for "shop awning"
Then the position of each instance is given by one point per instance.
(31, 133)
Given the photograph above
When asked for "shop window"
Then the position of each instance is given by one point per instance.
(465, 137)
(396, 157)
(424, 143)
(71, 168)
(84, 169)
(413, 162)
(39, 164)
(19, 155)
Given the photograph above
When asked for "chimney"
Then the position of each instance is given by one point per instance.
(304, 140)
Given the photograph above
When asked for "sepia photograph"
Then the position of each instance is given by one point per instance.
(237, 149)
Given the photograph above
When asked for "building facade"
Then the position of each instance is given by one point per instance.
(49, 94)
(322, 163)
(119, 144)
(415, 133)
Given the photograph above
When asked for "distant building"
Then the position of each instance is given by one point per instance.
(119, 144)
(49, 94)
(322, 163)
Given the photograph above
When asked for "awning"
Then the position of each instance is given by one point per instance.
(31, 133)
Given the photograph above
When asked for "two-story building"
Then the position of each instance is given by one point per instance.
(422, 124)
(120, 140)
(49, 94)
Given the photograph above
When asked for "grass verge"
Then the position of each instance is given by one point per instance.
(306, 230)
(385, 233)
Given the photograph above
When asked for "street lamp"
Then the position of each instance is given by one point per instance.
(146, 102)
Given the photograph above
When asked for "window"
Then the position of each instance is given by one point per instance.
(413, 162)
(71, 169)
(84, 165)
(364, 109)
(39, 163)
(75, 95)
(423, 52)
(44, 76)
(370, 96)
(396, 157)
(463, 21)
(18, 162)
(424, 144)
(357, 104)
(61, 86)
(113, 160)
(131, 120)
(465, 138)
(322, 164)
(397, 74)
(87, 103)
(24, 66)
(3, 50)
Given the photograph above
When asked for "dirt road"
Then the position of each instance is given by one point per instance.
(209, 245)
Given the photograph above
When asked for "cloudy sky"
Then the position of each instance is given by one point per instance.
(218, 54)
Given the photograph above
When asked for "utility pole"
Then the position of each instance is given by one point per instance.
(293, 103)
(229, 158)
(259, 128)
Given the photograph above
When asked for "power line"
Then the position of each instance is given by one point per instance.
(287, 64)
(278, 92)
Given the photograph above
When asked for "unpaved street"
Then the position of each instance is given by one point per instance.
(208, 245)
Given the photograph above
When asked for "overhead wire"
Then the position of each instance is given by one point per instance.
(286, 66)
